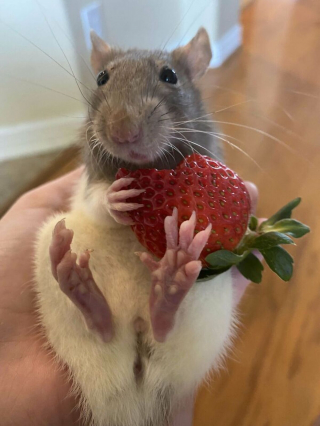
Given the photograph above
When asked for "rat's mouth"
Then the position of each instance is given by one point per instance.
(137, 156)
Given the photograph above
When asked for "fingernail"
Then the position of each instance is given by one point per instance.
(61, 222)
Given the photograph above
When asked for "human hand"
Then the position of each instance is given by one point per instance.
(33, 388)
(34, 391)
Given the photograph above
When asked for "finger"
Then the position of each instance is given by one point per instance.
(120, 183)
(122, 218)
(254, 195)
(186, 277)
(192, 269)
(60, 244)
(123, 195)
(148, 260)
(199, 242)
(84, 259)
(186, 232)
(239, 282)
(125, 207)
(79, 286)
(171, 229)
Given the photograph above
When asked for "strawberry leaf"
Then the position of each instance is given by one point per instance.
(280, 261)
(291, 227)
(284, 213)
(253, 223)
(251, 268)
(269, 240)
(223, 259)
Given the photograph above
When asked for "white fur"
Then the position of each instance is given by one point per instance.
(103, 372)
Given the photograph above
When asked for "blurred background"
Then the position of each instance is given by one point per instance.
(41, 106)
(263, 88)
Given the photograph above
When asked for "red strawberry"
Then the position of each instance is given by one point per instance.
(199, 184)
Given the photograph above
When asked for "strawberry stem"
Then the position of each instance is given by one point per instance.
(266, 238)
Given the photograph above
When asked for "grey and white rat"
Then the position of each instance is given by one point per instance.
(138, 335)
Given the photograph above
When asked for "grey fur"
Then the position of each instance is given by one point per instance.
(134, 84)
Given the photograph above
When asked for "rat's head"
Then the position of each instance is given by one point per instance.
(141, 97)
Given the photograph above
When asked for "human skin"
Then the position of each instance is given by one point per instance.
(34, 390)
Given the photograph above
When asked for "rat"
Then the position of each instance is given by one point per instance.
(137, 334)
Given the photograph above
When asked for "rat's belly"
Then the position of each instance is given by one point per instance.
(133, 380)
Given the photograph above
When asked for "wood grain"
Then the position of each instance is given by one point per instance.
(272, 377)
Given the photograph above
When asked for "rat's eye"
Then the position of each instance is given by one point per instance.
(102, 78)
(168, 75)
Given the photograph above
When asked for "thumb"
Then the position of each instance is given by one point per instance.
(239, 282)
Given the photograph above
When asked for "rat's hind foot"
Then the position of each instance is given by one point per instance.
(175, 273)
(116, 200)
(77, 282)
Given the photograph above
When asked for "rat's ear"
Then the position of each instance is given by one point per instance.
(100, 49)
(196, 55)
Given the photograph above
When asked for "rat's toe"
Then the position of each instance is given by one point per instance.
(60, 245)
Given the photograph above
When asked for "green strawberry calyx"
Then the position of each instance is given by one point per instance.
(267, 238)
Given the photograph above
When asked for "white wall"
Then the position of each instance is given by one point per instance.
(153, 24)
(28, 111)
(21, 102)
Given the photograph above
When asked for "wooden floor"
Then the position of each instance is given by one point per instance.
(272, 377)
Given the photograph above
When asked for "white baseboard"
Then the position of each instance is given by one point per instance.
(38, 137)
(225, 46)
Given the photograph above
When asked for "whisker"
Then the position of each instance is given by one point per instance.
(41, 50)
(71, 42)
(43, 87)
(233, 146)
(296, 92)
(179, 23)
(232, 106)
(194, 20)
(252, 99)
(175, 148)
(61, 49)
(169, 145)
(279, 141)
(225, 140)
(188, 142)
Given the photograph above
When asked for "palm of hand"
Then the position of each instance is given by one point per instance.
(33, 391)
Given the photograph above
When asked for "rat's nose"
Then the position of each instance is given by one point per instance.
(126, 135)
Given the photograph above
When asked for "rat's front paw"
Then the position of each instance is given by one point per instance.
(116, 200)
(175, 273)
